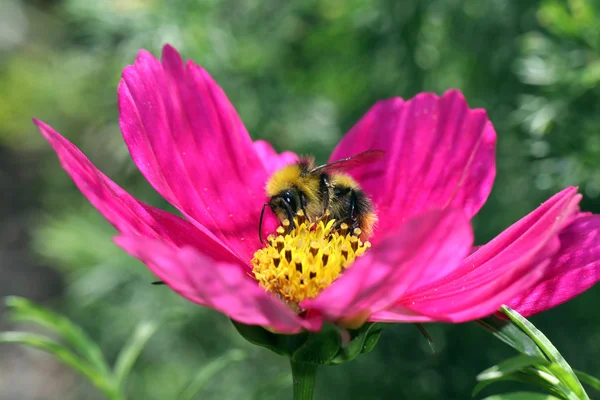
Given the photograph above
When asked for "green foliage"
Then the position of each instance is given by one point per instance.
(522, 396)
(82, 354)
(330, 346)
(588, 379)
(547, 369)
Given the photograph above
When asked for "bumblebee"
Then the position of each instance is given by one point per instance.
(322, 190)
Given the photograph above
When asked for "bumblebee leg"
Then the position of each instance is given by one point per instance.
(290, 215)
(354, 223)
(353, 202)
(303, 203)
(324, 188)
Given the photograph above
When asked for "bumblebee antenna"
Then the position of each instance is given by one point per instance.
(262, 213)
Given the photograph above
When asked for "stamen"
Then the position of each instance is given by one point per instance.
(344, 250)
(280, 243)
(344, 229)
(354, 243)
(314, 248)
(299, 263)
(288, 254)
(300, 217)
(325, 257)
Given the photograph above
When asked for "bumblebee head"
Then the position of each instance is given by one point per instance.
(284, 205)
(284, 199)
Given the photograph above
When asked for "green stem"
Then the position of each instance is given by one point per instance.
(303, 376)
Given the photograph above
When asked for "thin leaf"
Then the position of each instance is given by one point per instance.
(588, 379)
(555, 385)
(510, 334)
(427, 336)
(520, 376)
(131, 351)
(511, 365)
(62, 354)
(522, 396)
(560, 368)
(207, 372)
(23, 310)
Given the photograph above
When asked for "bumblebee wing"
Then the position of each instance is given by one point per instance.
(351, 162)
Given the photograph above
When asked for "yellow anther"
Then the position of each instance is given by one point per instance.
(299, 263)
(300, 217)
(344, 229)
(354, 243)
(280, 243)
(314, 248)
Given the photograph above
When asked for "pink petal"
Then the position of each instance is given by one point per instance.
(497, 271)
(222, 286)
(188, 141)
(418, 252)
(573, 270)
(125, 213)
(439, 153)
(271, 160)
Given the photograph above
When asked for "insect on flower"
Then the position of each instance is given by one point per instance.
(418, 265)
(326, 189)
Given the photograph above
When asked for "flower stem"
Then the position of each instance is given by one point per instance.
(303, 376)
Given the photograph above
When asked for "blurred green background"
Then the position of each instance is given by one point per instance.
(300, 73)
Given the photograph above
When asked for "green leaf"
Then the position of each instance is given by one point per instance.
(588, 379)
(525, 376)
(559, 367)
(62, 354)
(371, 337)
(323, 347)
(511, 365)
(522, 396)
(130, 351)
(320, 347)
(362, 340)
(427, 336)
(510, 334)
(207, 372)
(24, 310)
(283, 345)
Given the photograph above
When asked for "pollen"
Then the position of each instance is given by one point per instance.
(298, 263)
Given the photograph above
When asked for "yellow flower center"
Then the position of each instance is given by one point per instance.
(298, 264)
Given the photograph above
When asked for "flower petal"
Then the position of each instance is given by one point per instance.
(574, 269)
(188, 141)
(219, 285)
(271, 160)
(512, 262)
(421, 250)
(439, 153)
(124, 212)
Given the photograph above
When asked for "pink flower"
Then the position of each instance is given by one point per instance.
(188, 141)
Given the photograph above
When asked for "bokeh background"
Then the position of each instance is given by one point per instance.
(300, 73)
